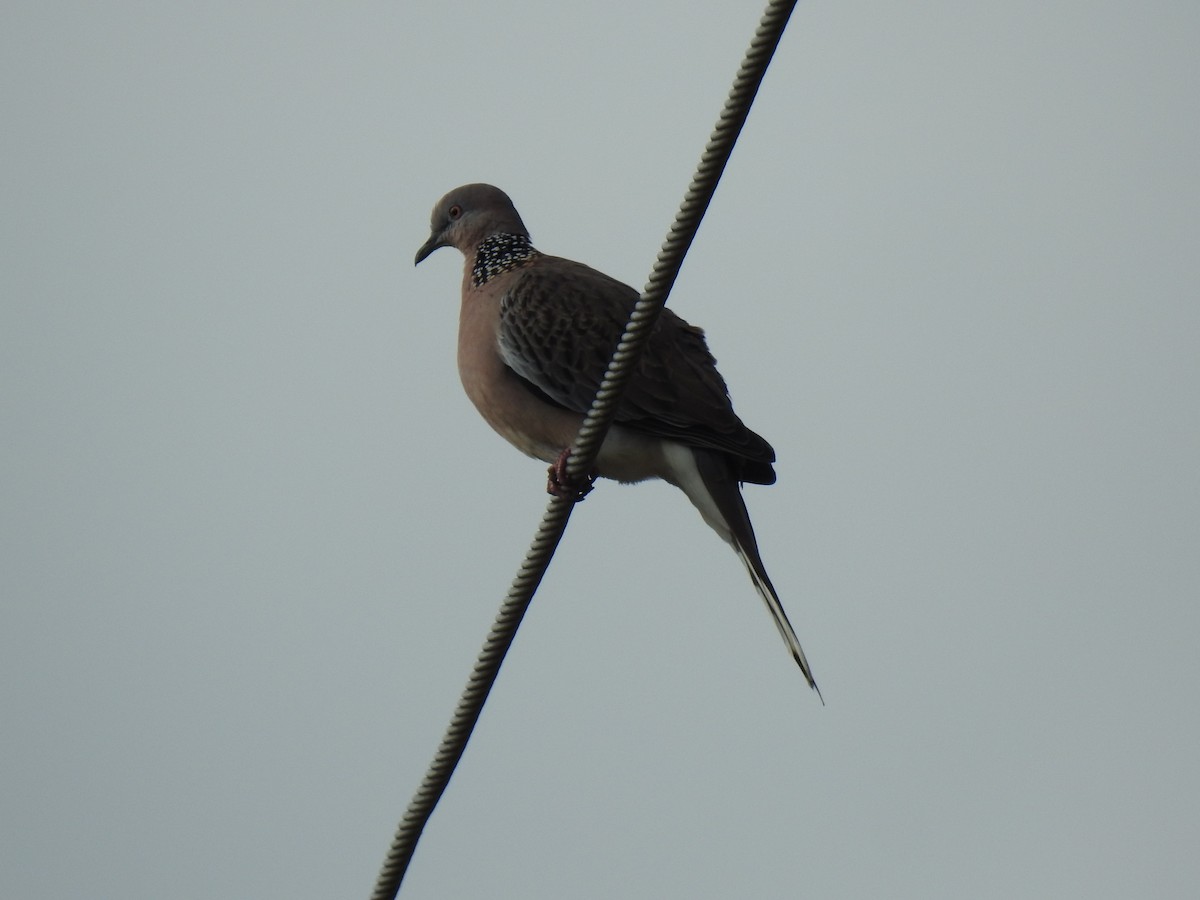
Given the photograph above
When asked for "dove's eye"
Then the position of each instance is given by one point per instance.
(454, 212)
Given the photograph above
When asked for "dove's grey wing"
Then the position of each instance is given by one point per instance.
(559, 324)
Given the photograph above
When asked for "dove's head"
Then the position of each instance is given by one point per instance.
(467, 215)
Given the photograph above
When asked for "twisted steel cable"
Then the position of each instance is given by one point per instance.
(587, 444)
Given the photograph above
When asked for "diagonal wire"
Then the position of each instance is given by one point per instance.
(587, 444)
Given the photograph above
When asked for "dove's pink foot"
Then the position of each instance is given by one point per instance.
(560, 484)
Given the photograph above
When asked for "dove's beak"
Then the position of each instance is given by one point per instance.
(435, 241)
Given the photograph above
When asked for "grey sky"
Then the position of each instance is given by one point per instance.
(254, 534)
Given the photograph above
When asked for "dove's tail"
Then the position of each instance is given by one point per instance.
(706, 478)
(754, 565)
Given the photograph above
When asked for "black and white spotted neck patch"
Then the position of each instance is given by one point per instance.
(500, 253)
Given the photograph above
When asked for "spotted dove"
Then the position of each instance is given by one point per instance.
(535, 336)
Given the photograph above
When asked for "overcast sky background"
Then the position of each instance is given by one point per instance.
(253, 533)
